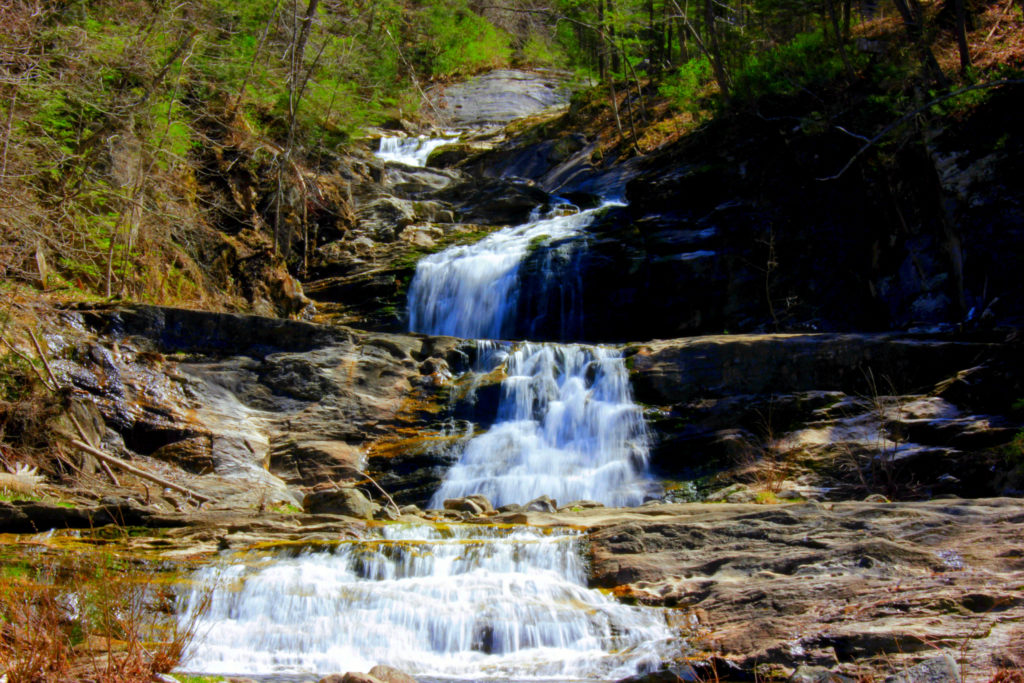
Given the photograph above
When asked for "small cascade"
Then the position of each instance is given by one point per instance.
(567, 428)
(458, 602)
(472, 291)
(410, 151)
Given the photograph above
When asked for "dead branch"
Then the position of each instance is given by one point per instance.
(138, 472)
(376, 485)
(909, 115)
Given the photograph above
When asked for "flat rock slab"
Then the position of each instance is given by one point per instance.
(854, 585)
(498, 97)
(683, 369)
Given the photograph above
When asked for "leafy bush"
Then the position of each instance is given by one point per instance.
(538, 51)
(684, 86)
(88, 614)
(461, 41)
(807, 61)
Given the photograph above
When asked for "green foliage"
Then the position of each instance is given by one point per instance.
(539, 50)
(460, 41)
(15, 378)
(683, 87)
(807, 61)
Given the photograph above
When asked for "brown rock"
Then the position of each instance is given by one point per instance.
(355, 677)
(350, 502)
(541, 504)
(467, 504)
(911, 580)
(192, 455)
(388, 674)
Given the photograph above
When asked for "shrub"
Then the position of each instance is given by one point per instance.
(685, 85)
(807, 61)
(461, 41)
(87, 616)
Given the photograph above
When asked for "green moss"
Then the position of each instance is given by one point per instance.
(537, 242)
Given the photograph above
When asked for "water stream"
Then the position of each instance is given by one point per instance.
(410, 151)
(467, 602)
(459, 602)
(472, 291)
(567, 428)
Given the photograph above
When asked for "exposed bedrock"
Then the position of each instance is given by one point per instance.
(736, 228)
(834, 415)
(846, 584)
(254, 407)
(250, 407)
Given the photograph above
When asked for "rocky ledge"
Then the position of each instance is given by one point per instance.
(861, 588)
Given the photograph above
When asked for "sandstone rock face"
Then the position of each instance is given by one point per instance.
(389, 674)
(837, 416)
(879, 584)
(718, 366)
(258, 406)
(349, 502)
(497, 97)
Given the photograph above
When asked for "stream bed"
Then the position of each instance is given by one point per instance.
(463, 602)
(466, 602)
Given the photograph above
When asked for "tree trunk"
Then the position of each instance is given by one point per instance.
(714, 50)
(833, 16)
(913, 21)
(961, 36)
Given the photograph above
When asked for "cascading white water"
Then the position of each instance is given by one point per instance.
(410, 151)
(567, 428)
(463, 602)
(471, 291)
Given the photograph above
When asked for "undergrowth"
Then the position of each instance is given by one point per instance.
(87, 615)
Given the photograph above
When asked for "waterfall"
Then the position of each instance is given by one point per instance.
(467, 602)
(410, 151)
(472, 291)
(463, 602)
(567, 428)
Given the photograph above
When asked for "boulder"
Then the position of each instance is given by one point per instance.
(817, 674)
(309, 462)
(482, 501)
(452, 154)
(942, 669)
(388, 674)
(467, 504)
(350, 502)
(497, 97)
(541, 504)
(384, 218)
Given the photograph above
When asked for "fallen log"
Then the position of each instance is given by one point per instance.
(106, 457)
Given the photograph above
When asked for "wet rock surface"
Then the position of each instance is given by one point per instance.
(747, 213)
(497, 97)
(832, 416)
(852, 587)
(254, 408)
